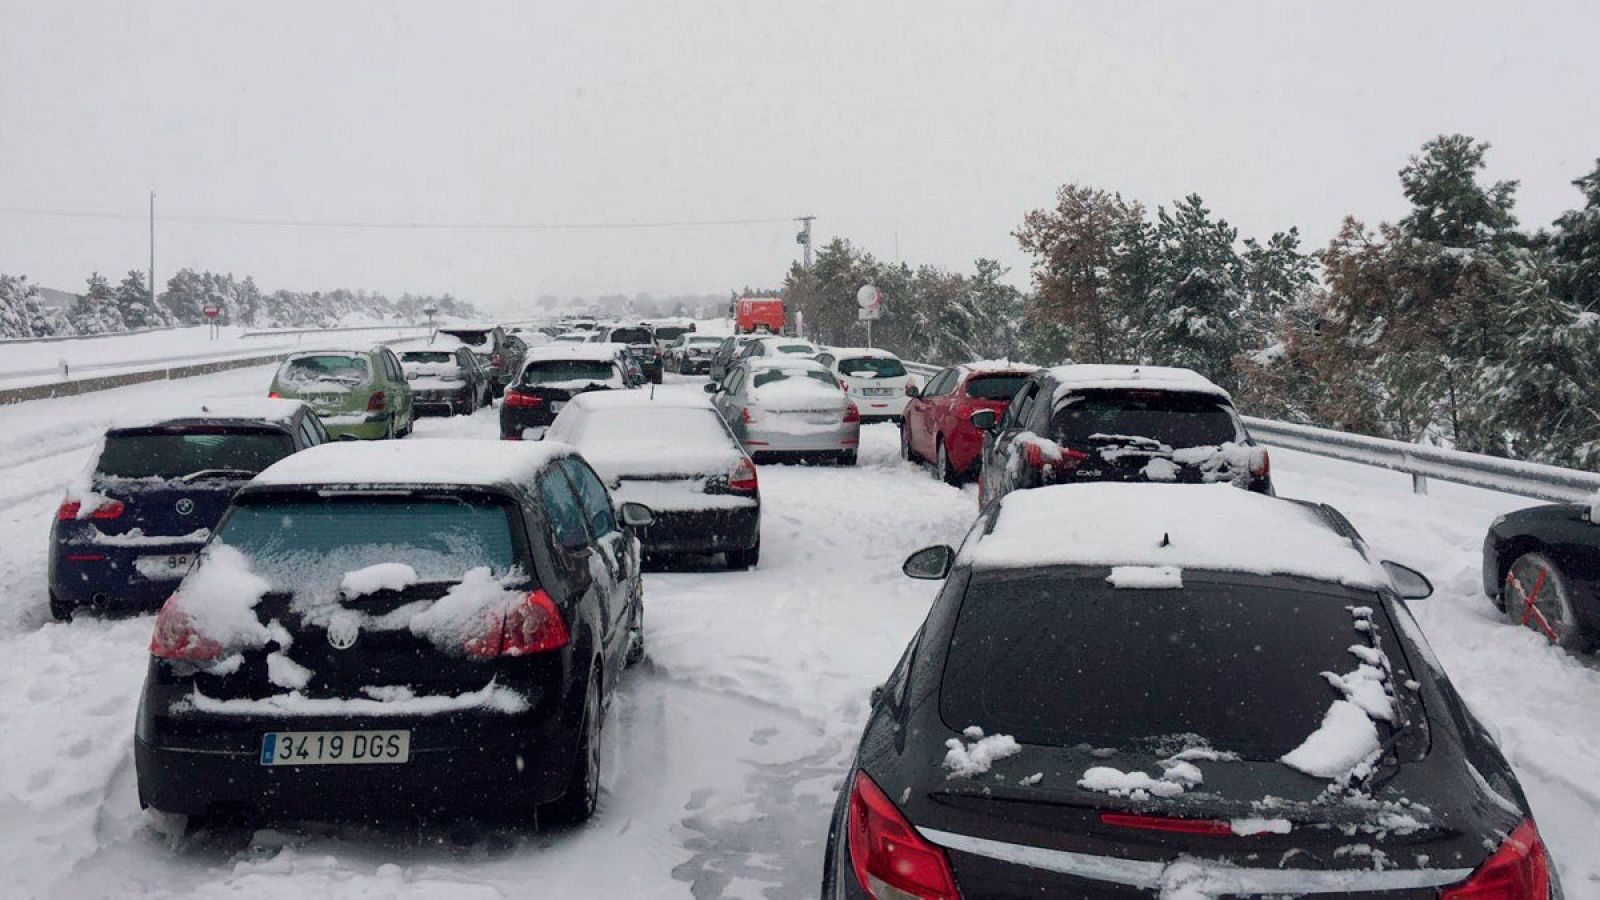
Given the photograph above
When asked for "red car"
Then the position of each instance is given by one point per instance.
(937, 427)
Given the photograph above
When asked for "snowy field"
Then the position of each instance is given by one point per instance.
(725, 749)
(35, 362)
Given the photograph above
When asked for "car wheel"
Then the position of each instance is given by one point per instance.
(59, 610)
(636, 637)
(1537, 595)
(945, 472)
(744, 559)
(578, 803)
(905, 443)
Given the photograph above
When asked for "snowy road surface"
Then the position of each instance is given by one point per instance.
(724, 751)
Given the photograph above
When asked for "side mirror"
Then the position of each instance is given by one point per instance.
(712, 387)
(877, 696)
(984, 420)
(929, 563)
(1408, 582)
(637, 515)
(912, 391)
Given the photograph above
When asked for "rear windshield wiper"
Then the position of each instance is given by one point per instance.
(218, 473)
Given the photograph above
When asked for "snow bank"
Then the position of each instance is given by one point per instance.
(1345, 739)
(973, 753)
(1189, 526)
(389, 576)
(1146, 577)
(219, 597)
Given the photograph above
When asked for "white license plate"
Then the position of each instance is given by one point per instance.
(877, 392)
(556, 405)
(333, 748)
(167, 567)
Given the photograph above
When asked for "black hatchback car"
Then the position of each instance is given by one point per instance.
(1080, 423)
(1174, 691)
(396, 630)
(124, 536)
(1541, 566)
(552, 376)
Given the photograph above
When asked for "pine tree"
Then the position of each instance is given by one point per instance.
(1193, 312)
(96, 312)
(21, 314)
(1575, 248)
(134, 303)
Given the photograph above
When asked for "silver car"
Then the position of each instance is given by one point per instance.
(788, 408)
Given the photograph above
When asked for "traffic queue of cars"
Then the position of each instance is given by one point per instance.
(1143, 672)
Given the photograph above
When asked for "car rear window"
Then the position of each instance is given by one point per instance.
(478, 340)
(871, 367)
(178, 454)
(630, 336)
(302, 543)
(995, 387)
(428, 356)
(330, 368)
(801, 349)
(553, 371)
(1066, 659)
(670, 333)
(1174, 419)
(771, 376)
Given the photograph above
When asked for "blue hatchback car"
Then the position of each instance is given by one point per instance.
(128, 531)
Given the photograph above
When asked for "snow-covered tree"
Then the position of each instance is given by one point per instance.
(96, 311)
(133, 301)
(21, 313)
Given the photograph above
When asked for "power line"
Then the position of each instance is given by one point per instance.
(263, 222)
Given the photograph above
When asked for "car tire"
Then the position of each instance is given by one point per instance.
(739, 560)
(905, 444)
(60, 610)
(942, 468)
(1551, 612)
(577, 804)
(636, 636)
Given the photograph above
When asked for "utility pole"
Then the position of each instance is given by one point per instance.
(804, 237)
(152, 249)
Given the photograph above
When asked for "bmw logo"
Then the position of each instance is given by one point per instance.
(185, 506)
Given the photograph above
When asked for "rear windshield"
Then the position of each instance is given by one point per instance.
(428, 356)
(802, 349)
(308, 544)
(332, 368)
(671, 332)
(995, 387)
(704, 341)
(659, 432)
(1174, 419)
(478, 340)
(551, 371)
(770, 376)
(630, 336)
(871, 367)
(1064, 660)
(179, 454)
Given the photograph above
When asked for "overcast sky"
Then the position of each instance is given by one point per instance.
(934, 125)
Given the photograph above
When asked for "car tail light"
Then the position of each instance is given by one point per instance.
(1167, 823)
(71, 509)
(176, 638)
(852, 414)
(744, 415)
(274, 395)
(743, 478)
(518, 400)
(1519, 870)
(532, 625)
(1260, 463)
(891, 860)
(377, 402)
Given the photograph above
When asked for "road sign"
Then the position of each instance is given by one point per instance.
(212, 311)
(870, 301)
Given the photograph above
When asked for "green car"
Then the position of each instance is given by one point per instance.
(356, 393)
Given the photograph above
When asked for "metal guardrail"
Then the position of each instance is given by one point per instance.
(1509, 476)
(58, 338)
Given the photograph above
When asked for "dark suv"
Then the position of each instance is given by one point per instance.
(1082, 423)
(1125, 690)
(553, 375)
(406, 630)
(641, 341)
(498, 353)
(121, 542)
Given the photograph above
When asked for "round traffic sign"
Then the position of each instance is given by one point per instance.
(869, 296)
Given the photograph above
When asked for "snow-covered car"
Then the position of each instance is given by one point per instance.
(496, 352)
(767, 347)
(1129, 690)
(641, 342)
(404, 629)
(554, 374)
(789, 408)
(450, 382)
(357, 393)
(675, 455)
(1541, 566)
(875, 379)
(691, 354)
(1084, 423)
(937, 427)
(727, 354)
(134, 522)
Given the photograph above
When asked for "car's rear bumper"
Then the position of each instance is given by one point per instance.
(516, 421)
(845, 438)
(366, 427)
(104, 579)
(880, 409)
(702, 531)
(442, 402)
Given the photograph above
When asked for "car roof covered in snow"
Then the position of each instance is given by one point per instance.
(859, 352)
(998, 367)
(569, 350)
(1095, 376)
(269, 410)
(355, 348)
(1215, 527)
(432, 462)
(602, 401)
(468, 326)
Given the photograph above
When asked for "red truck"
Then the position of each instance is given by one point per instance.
(753, 314)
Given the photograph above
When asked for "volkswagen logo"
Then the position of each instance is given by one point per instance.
(343, 630)
(185, 506)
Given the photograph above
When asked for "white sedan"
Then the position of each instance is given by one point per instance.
(875, 379)
(789, 408)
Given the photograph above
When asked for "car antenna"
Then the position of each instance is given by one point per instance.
(652, 390)
(1166, 539)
